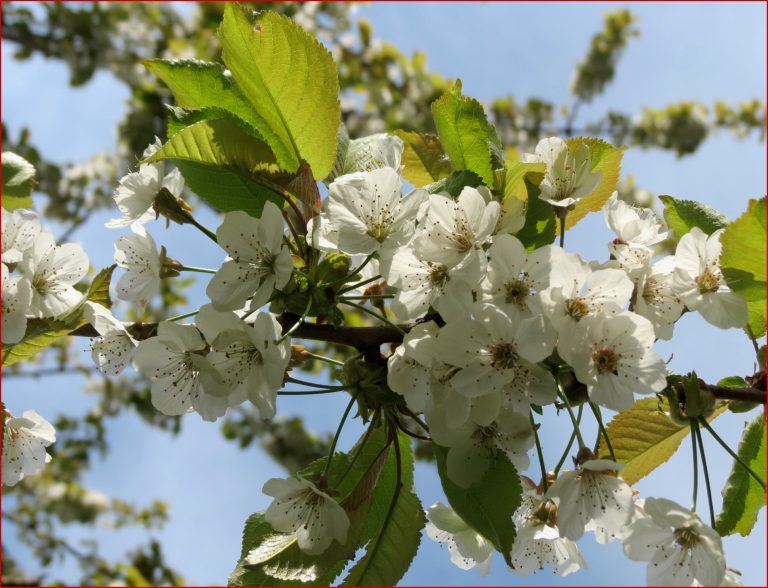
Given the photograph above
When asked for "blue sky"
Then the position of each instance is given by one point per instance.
(702, 51)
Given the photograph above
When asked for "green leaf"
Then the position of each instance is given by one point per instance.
(424, 160)
(292, 83)
(540, 225)
(605, 158)
(468, 138)
(511, 184)
(18, 181)
(743, 497)
(394, 541)
(737, 406)
(488, 505)
(683, 215)
(743, 262)
(40, 333)
(644, 438)
(223, 165)
(270, 558)
(199, 85)
(98, 292)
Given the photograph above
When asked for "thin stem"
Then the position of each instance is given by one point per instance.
(312, 384)
(351, 274)
(378, 316)
(291, 246)
(562, 212)
(732, 453)
(299, 321)
(754, 340)
(293, 231)
(201, 270)
(207, 232)
(416, 418)
(695, 468)
(369, 297)
(599, 417)
(567, 403)
(355, 286)
(183, 316)
(338, 433)
(401, 426)
(697, 431)
(570, 441)
(358, 451)
(308, 392)
(544, 480)
(323, 358)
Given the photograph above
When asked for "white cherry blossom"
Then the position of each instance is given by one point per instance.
(20, 230)
(514, 277)
(467, 548)
(680, 549)
(634, 226)
(53, 270)
(114, 348)
(409, 370)
(420, 284)
(615, 359)
(24, 443)
(701, 284)
(250, 362)
(372, 152)
(183, 378)
(455, 228)
(17, 295)
(136, 191)
(592, 497)
(656, 297)
(138, 255)
(366, 213)
(300, 507)
(569, 174)
(260, 262)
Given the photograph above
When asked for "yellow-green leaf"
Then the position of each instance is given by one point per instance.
(424, 160)
(466, 135)
(99, 289)
(40, 333)
(292, 83)
(743, 497)
(644, 438)
(511, 184)
(683, 215)
(743, 261)
(18, 181)
(605, 158)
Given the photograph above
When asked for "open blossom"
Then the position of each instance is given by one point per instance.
(569, 174)
(114, 348)
(472, 446)
(246, 356)
(53, 270)
(369, 153)
(514, 277)
(420, 284)
(259, 263)
(493, 349)
(615, 359)
(24, 443)
(409, 368)
(20, 229)
(136, 191)
(456, 228)
(17, 294)
(701, 284)
(466, 547)
(681, 549)
(300, 507)
(538, 541)
(138, 255)
(634, 226)
(182, 376)
(656, 297)
(592, 497)
(366, 213)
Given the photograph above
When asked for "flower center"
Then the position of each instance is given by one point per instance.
(438, 275)
(576, 308)
(380, 228)
(503, 356)
(517, 292)
(709, 281)
(686, 537)
(606, 360)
